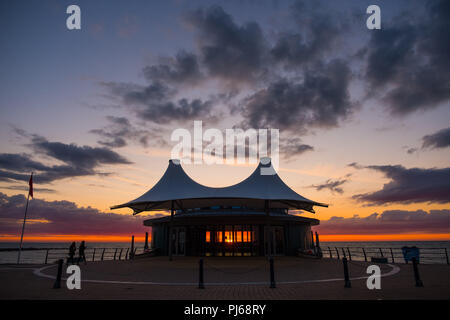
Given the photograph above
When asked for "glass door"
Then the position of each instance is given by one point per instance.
(178, 241)
(276, 237)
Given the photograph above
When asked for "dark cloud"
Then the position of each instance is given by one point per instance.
(77, 156)
(25, 188)
(389, 222)
(320, 100)
(406, 60)
(119, 131)
(78, 161)
(63, 217)
(228, 50)
(410, 186)
(440, 139)
(19, 162)
(332, 185)
(317, 32)
(355, 165)
(183, 69)
(157, 102)
(292, 147)
(316, 96)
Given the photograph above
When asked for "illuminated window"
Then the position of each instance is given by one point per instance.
(219, 236)
(238, 233)
(208, 236)
(229, 236)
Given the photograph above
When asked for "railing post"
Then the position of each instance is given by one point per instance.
(103, 253)
(146, 241)
(346, 276)
(419, 282)
(392, 256)
(201, 284)
(132, 248)
(331, 255)
(343, 252)
(115, 252)
(57, 284)
(446, 255)
(365, 256)
(337, 251)
(381, 252)
(272, 274)
(46, 257)
(93, 255)
(349, 254)
(120, 254)
(126, 254)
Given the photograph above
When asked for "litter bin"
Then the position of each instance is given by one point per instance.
(410, 252)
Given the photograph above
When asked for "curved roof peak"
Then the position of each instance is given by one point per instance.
(177, 190)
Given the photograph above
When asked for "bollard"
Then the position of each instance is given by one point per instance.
(419, 282)
(201, 284)
(272, 274)
(57, 284)
(347, 278)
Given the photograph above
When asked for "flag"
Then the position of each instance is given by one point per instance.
(30, 191)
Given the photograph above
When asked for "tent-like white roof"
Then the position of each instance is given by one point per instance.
(176, 188)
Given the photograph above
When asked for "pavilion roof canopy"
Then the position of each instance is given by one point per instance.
(177, 188)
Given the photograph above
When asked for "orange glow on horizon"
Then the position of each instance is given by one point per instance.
(384, 237)
(244, 238)
(73, 237)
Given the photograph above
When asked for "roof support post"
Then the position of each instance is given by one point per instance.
(269, 233)
(170, 230)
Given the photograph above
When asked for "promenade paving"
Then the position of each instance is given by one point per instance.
(225, 278)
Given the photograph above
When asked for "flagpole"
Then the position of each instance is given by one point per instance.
(30, 192)
(23, 229)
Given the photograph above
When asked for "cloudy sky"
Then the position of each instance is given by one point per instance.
(363, 114)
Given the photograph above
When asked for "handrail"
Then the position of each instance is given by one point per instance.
(51, 255)
(394, 254)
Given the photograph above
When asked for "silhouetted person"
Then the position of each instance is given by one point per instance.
(81, 253)
(72, 249)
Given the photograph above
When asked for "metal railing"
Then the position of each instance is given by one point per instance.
(51, 255)
(393, 255)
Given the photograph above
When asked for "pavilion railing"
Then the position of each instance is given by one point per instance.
(393, 255)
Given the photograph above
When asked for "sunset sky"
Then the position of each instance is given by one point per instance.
(363, 114)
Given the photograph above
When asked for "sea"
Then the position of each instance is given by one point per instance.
(40, 252)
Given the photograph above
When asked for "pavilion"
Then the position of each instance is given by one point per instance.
(250, 218)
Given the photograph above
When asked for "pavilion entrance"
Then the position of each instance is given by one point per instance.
(232, 240)
(178, 241)
(276, 235)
